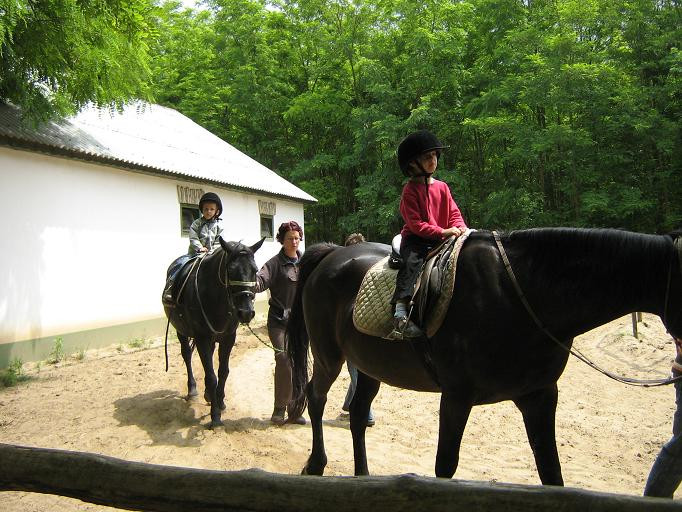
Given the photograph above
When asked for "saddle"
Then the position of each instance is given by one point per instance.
(373, 312)
(181, 275)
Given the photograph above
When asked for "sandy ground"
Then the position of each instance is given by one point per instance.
(120, 402)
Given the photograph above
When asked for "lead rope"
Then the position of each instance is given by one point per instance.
(575, 352)
(269, 345)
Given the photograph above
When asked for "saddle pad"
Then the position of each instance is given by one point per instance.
(373, 313)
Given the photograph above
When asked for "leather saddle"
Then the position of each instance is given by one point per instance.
(176, 283)
(428, 287)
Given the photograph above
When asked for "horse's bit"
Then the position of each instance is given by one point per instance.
(574, 351)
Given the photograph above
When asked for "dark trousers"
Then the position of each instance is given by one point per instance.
(666, 473)
(413, 250)
(283, 385)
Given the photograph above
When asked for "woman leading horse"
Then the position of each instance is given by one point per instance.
(489, 348)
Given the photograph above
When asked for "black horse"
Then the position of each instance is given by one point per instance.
(489, 348)
(217, 295)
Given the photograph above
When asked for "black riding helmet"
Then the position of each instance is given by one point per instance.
(210, 197)
(414, 145)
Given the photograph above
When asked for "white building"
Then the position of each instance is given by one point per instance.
(96, 207)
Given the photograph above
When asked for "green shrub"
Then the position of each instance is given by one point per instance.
(57, 353)
(14, 373)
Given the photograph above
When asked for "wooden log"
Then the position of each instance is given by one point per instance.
(138, 486)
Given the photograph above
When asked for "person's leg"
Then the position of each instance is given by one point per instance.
(282, 375)
(666, 473)
(353, 372)
(172, 271)
(405, 282)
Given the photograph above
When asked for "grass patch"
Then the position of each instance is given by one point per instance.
(79, 354)
(57, 353)
(13, 374)
(138, 343)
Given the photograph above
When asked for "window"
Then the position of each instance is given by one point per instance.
(188, 214)
(266, 227)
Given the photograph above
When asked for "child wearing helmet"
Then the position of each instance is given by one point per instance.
(430, 214)
(204, 231)
(203, 238)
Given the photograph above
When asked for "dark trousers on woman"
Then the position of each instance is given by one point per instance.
(283, 385)
(413, 250)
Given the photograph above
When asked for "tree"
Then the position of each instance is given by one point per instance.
(58, 55)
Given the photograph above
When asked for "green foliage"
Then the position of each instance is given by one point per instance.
(13, 374)
(57, 55)
(138, 343)
(555, 113)
(57, 353)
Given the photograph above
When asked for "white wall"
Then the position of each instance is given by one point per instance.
(85, 246)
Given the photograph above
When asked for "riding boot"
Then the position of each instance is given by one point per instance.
(278, 417)
(167, 298)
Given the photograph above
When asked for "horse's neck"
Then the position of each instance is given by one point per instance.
(602, 278)
(209, 274)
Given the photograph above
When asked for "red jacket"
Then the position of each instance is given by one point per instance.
(429, 209)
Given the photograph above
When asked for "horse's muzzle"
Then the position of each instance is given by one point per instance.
(245, 315)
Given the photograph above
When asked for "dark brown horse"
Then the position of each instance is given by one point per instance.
(217, 296)
(488, 349)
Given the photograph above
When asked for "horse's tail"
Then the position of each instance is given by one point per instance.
(297, 334)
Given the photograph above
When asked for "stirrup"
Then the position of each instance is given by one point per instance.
(405, 329)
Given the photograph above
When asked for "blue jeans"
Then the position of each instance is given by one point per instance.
(175, 267)
(666, 473)
(353, 372)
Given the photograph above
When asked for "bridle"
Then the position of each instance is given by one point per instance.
(227, 283)
(575, 352)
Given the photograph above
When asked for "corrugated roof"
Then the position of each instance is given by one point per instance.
(151, 138)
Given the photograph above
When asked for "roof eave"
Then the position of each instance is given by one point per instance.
(30, 145)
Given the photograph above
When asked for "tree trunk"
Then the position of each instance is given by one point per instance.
(139, 486)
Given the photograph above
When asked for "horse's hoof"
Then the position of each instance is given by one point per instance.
(307, 470)
(191, 393)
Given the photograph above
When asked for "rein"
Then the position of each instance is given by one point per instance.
(573, 351)
(226, 284)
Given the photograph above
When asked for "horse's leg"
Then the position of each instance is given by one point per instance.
(224, 349)
(186, 350)
(454, 413)
(539, 410)
(367, 388)
(206, 347)
(316, 393)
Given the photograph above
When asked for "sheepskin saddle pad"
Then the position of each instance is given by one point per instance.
(373, 312)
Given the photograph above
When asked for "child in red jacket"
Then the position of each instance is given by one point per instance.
(430, 215)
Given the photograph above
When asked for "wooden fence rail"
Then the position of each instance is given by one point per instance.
(138, 486)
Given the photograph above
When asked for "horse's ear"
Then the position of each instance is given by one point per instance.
(257, 245)
(223, 244)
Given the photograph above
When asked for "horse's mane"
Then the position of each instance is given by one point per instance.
(569, 255)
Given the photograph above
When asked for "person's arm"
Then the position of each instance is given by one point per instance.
(456, 218)
(409, 209)
(218, 232)
(263, 277)
(194, 241)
